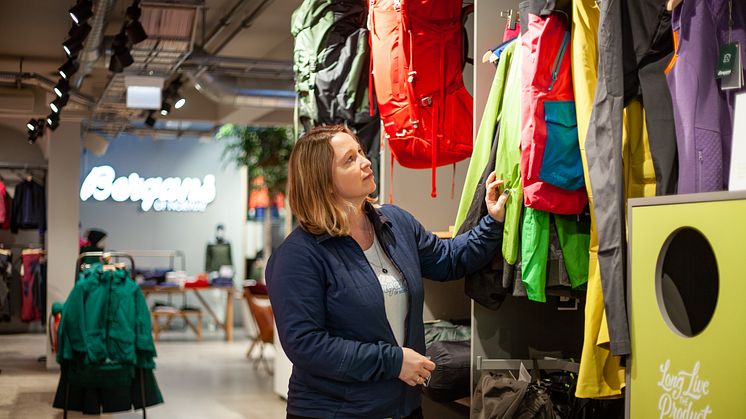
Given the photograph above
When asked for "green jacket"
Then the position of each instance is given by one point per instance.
(106, 320)
(105, 345)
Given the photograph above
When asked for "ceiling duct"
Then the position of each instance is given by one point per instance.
(92, 49)
(245, 93)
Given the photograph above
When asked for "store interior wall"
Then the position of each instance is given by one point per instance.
(130, 228)
(16, 150)
(63, 214)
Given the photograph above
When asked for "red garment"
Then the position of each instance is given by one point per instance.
(29, 311)
(4, 207)
(541, 46)
(511, 33)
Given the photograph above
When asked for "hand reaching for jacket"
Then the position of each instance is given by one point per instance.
(415, 368)
(494, 199)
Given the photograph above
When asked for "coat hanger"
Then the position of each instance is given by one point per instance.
(671, 4)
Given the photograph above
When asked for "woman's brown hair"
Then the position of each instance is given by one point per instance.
(310, 183)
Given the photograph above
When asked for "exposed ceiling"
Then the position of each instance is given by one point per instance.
(229, 49)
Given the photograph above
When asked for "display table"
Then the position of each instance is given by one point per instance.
(227, 326)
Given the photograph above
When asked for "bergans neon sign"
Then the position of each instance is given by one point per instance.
(156, 193)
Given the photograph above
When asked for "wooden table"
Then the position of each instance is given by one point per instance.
(227, 326)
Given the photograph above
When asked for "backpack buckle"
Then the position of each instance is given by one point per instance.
(416, 124)
(411, 76)
(426, 101)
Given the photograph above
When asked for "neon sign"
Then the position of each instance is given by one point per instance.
(158, 194)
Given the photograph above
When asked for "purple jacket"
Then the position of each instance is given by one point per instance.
(703, 112)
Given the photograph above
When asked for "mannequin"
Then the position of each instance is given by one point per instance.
(218, 252)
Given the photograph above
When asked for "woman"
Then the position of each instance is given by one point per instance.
(346, 286)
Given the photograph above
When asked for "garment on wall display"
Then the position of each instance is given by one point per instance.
(702, 109)
(6, 275)
(551, 168)
(29, 209)
(601, 374)
(4, 207)
(217, 255)
(32, 285)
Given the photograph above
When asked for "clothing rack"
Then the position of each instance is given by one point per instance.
(106, 256)
(484, 364)
(170, 254)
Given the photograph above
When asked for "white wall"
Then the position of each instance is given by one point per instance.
(130, 228)
(62, 214)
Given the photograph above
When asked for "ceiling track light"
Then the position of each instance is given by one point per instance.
(72, 47)
(31, 124)
(81, 11)
(53, 121)
(180, 103)
(165, 108)
(35, 129)
(69, 68)
(135, 32)
(62, 87)
(59, 103)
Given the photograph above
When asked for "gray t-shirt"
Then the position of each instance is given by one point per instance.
(394, 288)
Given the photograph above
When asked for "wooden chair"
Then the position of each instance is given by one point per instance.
(264, 321)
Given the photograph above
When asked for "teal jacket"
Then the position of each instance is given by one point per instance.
(106, 321)
(105, 346)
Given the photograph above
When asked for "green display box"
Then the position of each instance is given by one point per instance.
(687, 363)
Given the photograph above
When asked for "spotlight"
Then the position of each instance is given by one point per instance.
(135, 32)
(62, 87)
(59, 103)
(165, 108)
(77, 35)
(179, 103)
(82, 11)
(68, 69)
(35, 129)
(53, 121)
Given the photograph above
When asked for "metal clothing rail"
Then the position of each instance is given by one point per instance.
(171, 254)
(515, 364)
(103, 256)
(22, 166)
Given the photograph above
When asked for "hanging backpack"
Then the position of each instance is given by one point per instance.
(330, 62)
(416, 58)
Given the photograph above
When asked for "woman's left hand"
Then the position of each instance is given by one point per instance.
(494, 199)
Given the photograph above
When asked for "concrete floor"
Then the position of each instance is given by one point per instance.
(210, 379)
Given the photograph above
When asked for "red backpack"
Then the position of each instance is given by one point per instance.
(416, 53)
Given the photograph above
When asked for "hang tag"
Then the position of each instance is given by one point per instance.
(734, 80)
(726, 60)
(523, 374)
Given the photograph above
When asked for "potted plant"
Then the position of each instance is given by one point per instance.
(265, 151)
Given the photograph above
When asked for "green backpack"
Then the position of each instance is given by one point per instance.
(331, 61)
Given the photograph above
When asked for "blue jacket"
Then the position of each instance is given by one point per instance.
(330, 314)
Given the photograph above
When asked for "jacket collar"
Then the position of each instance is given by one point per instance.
(375, 215)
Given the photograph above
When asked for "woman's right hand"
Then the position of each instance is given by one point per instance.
(415, 368)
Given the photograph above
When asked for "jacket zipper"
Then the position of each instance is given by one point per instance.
(558, 59)
(106, 318)
(700, 163)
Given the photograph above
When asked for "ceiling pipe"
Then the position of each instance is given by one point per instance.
(219, 91)
(92, 50)
(46, 83)
(224, 22)
(247, 22)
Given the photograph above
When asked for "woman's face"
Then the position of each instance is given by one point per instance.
(351, 172)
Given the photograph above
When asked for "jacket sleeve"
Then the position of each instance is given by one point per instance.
(447, 259)
(297, 291)
(71, 336)
(144, 345)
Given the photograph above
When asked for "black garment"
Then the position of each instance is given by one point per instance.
(217, 255)
(485, 286)
(29, 210)
(647, 42)
(39, 273)
(417, 414)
